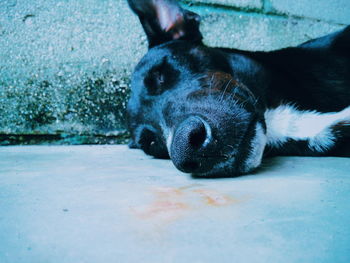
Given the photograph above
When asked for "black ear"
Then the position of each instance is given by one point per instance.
(165, 20)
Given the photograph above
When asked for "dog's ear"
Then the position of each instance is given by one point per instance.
(165, 20)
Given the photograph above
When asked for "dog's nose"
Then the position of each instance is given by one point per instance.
(189, 143)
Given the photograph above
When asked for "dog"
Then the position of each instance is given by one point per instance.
(219, 111)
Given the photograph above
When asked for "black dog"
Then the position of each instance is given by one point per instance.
(217, 111)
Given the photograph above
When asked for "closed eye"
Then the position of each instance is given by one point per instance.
(155, 81)
(161, 78)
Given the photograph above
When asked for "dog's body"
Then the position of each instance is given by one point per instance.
(217, 111)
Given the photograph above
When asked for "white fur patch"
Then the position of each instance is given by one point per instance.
(257, 145)
(169, 139)
(286, 122)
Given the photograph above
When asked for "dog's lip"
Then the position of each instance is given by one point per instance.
(214, 171)
(225, 166)
(203, 160)
(215, 174)
(225, 172)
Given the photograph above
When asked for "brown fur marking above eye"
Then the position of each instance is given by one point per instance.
(219, 83)
(220, 80)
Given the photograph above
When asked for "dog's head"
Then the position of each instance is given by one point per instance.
(190, 102)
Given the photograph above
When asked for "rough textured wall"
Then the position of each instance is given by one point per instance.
(65, 65)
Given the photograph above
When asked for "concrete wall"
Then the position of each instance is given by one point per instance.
(65, 64)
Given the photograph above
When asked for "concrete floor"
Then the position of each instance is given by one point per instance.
(111, 204)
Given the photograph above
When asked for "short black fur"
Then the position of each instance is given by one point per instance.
(204, 107)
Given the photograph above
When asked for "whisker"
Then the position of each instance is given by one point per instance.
(231, 146)
(223, 94)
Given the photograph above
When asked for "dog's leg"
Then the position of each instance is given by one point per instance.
(342, 132)
(290, 131)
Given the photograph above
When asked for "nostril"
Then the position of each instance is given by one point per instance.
(197, 136)
(190, 166)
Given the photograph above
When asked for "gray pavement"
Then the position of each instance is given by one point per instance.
(111, 204)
